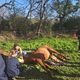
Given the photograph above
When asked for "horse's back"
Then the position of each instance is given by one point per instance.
(43, 51)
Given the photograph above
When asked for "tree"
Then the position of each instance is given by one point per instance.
(64, 8)
(41, 11)
(32, 6)
(3, 8)
(6, 4)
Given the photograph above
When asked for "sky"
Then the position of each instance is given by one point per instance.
(21, 3)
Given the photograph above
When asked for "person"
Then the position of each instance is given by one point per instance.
(78, 36)
(12, 68)
(9, 66)
(18, 52)
(17, 49)
(13, 62)
(3, 75)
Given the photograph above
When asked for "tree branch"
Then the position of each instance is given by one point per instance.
(5, 4)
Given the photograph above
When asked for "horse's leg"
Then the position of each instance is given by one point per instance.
(41, 63)
(53, 51)
(45, 67)
(48, 66)
(55, 59)
(62, 57)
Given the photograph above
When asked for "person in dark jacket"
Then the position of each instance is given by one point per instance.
(78, 35)
(9, 67)
(12, 68)
(3, 75)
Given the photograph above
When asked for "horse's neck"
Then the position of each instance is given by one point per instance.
(26, 59)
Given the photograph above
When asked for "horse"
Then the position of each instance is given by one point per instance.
(41, 56)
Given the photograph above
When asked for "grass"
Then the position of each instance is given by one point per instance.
(67, 46)
(70, 71)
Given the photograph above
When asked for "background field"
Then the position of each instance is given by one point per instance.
(67, 46)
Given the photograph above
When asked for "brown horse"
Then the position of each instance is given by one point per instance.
(42, 55)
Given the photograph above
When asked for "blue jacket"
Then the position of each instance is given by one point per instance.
(12, 67)
(2, 69)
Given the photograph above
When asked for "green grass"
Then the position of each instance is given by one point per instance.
(68, 46)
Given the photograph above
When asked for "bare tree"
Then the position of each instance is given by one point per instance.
(32, 6)
(6, 4)
(41, 12)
